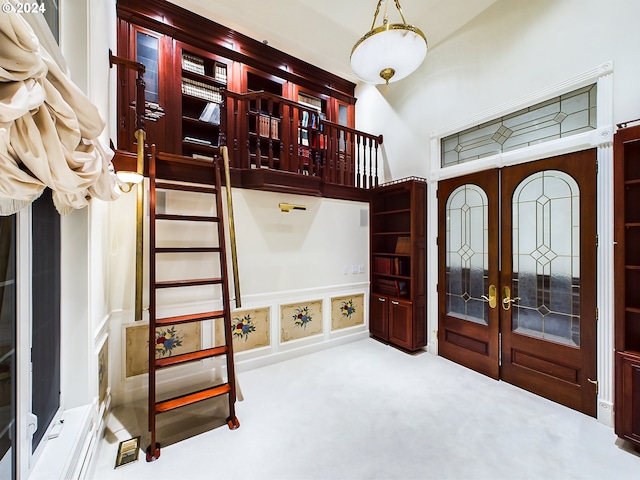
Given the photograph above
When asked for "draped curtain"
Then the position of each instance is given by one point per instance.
(48, 128)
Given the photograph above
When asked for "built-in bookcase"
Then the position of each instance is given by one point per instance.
(202, 77)
(398, 263)
(264, 122)
(627, 287)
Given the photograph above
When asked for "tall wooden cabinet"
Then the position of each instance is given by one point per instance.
(398, 263)
(627, 282)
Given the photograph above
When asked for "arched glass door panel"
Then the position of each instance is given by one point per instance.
(466, 254)
(546, 257)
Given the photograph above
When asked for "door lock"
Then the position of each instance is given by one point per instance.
(493, 296)
(506, 298)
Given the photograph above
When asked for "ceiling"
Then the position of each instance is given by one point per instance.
(322, 32)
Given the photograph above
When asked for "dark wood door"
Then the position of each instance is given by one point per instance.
(468, 272)
(401, 323)
(548, 318)
(529, 231)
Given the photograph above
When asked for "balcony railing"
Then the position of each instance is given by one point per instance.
(266, 131)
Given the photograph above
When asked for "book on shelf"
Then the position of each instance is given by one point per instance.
(220, 72)
(386, 287)
(201, 90)
(394, 288)
(199, 156)
(382, 265)
(403, 245)
(268, 126)
(305, 119)
(191, 63)
(304, 137)
(211, 113)
(199, 141)
(305, 153)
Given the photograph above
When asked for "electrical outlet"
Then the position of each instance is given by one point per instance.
(361, 269)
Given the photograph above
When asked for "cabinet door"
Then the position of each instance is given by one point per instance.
(628, 397)
(379, 317)
(400, 324)
(154, 51)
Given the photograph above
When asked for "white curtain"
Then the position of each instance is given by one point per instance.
(48, 128)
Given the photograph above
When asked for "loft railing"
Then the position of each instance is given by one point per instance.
(263, 130)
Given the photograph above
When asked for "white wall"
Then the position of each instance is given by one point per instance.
(300, 249)
(282, 258)
(514, 48)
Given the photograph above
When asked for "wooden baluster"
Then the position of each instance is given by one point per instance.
(370, 162)
(341, 157)
(222, 138)
(376, 164)
(292, 139)
(357, 154)
(245, 130)
(259, 132)
(349, 143)
(271, 132)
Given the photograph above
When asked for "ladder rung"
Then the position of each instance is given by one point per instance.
(194, 317)
(184, 188)
(186, 218)
(188, 283)
(191, 356)
(188, 249)
(191, 398)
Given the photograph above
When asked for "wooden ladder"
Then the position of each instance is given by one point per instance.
(229, 387)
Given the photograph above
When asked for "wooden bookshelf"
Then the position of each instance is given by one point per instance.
(176, 45)
(627, 283)
(202, 77)
(398, 264)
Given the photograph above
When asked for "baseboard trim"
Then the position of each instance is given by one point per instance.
(605, 413)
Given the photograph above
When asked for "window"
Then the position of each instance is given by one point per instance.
(45, 307)
(7, 347)
(562, 116)
(52, 18)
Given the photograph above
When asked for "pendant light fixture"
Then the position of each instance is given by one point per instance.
(389, 52)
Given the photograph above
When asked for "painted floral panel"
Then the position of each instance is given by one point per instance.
(169, 341)
(300, 320)
(250, 329)
(103, 371)
(347, 311)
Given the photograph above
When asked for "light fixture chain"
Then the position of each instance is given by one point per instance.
(375, 15)
(400, 10)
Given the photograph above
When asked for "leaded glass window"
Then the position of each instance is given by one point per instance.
(562, 116)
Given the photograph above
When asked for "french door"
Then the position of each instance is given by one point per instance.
(517, 276)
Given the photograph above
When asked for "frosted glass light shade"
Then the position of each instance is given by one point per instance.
(129, 177)
(388, 53)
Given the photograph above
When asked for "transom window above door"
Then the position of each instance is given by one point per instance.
(559, 117)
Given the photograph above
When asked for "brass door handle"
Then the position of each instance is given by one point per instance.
(493, 296)
(506, 298)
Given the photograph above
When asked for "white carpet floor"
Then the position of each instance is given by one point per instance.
(368, 411)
